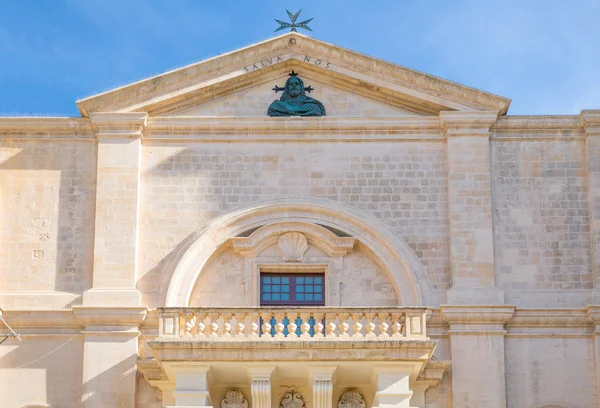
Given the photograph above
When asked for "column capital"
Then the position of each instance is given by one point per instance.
(593, 315)
(119, 125)
(477, 123)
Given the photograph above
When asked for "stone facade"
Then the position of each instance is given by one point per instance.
(459, 245)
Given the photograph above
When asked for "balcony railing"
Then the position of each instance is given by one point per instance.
(292, 323)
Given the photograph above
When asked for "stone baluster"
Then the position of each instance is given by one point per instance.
(279, 327)
(266, 325)
(292, 326)
(253, 319)
(330, 325)
(226, 317)
(240, 327)
(397, 325)
(305, 326)
(200, 326)
(190, 322)
(344, 326)
(383, 324)
(318, 325)
(370, 326)
(214, 326)
(357, 327)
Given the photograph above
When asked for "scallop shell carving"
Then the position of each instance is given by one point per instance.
(293, 245)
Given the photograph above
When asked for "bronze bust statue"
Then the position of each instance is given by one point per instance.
(294, 101)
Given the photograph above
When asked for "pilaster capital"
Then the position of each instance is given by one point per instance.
(477, 315)
(593, 313)
(260, 371)
(119, 125)
(110, 320)
(321, 372)
(477, 123)
(590, 122)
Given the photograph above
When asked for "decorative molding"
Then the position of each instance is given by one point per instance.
(269, 235)
(234, 399)
(312, 129)
(110, 320)
(292, 399)
(468, 123)
(51, 129)
(351, 399)
(293, 246)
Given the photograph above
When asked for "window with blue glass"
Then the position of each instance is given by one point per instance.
(279, 289)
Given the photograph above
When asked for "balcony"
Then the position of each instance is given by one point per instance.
(292, 324)
(293, 345)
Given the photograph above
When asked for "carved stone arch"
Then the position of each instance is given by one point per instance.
(395, 256)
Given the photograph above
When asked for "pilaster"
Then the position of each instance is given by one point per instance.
(117, 198)
(322, 379)
(110, 351)
(593, 313)
(470, 207)
(590, 122)
(260, 385)
(392, 386)
(477, 340)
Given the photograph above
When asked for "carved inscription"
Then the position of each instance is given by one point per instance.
(270, 61)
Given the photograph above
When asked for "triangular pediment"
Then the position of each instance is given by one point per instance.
(342, 79)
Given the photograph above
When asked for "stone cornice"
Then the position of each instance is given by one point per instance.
(116, 125)
(547, 127)
(186, 350)
(40, 128)
(251, 129)
(467, 123)
(590, 121)
(434, 90)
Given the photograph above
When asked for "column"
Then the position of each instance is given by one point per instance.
(322, 379)
(191, 385)
(477, 346)
(392, 388)
(590, 121)
(260, 385)
(110, 352)
(470, 207)
(117, 198)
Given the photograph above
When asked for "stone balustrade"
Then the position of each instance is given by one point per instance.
(292, 323)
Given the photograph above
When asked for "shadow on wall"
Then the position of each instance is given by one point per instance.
(46, 370)
(45, 214)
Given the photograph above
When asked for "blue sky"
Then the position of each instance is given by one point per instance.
(543, 54)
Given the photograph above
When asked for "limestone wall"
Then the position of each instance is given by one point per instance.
(541, 232)
(45, 370)
(47, 201)
(550, 370)
(403, 184)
